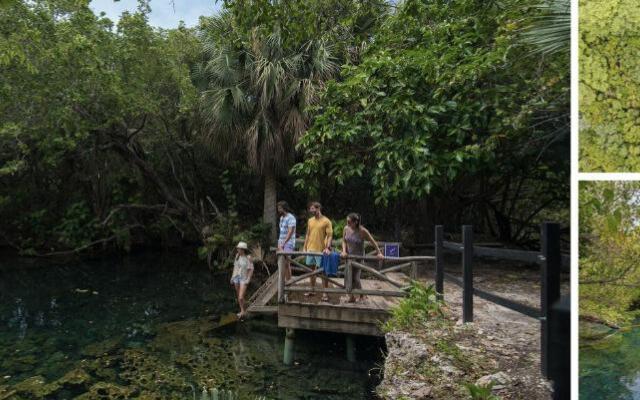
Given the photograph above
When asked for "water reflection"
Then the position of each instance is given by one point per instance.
(610, 368)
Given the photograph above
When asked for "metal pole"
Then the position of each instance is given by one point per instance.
(439, 253)
(467, 273)
(549, 286)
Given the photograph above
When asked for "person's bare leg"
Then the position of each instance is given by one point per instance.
(237, 286)
(325, 284)
(241, 291)
(287, 270)
(313, 281)
(357, 283)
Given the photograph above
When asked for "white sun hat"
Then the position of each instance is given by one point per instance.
(242, 245)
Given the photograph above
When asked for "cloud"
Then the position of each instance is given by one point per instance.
(164, 13)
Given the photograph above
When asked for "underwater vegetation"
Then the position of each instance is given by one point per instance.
(153, 327)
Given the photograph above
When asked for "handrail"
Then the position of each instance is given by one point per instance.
(354, 257)
(528, 256)
(287, 286)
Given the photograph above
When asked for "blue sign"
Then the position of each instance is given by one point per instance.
(392, 249)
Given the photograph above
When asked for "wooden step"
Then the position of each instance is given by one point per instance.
(263, 309)
(264, 294)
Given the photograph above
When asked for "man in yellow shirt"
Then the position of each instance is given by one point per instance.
(318, 239)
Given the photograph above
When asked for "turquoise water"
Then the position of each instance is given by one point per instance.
(610, 368)
(148, 327)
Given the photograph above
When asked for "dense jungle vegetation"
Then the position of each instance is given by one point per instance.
(422, 112)
(609, 87)
(609, 250)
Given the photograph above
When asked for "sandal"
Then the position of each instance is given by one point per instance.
(325, 297)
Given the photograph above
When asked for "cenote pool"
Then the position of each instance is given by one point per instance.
(147, 327)
(610, 368)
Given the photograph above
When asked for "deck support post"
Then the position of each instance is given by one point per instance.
(351, 348)
(288, 346)
(348, 277)
(281, 264)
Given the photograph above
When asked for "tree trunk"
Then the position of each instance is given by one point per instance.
(269, 209)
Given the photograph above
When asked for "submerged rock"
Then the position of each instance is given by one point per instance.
(75, 378)
(37, 387)
(181, 335)
(108, 346)
(24, 363)
(107, 391)
(146, 371)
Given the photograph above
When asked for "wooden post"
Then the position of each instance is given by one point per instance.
(281, 263)
(549, 285)
(351, 349)
(414, 270)
(288, 346)
(439, 250)
(467, 273)
(348, 277)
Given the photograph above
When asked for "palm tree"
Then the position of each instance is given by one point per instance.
(257, 98)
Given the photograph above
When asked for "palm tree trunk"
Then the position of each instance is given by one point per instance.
(269, 209)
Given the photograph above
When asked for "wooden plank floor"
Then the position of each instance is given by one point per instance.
(340, 300)
(337, 314)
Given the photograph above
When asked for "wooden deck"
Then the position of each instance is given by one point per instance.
(337, 314)
(383, 289)
(300, 306)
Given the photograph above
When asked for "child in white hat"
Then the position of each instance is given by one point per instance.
(242, 271)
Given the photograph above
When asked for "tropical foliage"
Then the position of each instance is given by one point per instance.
(609, 99)
(120, 135)
(609, 250)
(445, 96)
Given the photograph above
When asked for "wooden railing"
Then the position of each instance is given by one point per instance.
(351, 263)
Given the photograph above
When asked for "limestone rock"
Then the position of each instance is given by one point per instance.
(497, 379)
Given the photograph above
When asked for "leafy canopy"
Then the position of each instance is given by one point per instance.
(441, 89)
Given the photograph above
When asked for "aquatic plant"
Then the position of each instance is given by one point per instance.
(221, 394)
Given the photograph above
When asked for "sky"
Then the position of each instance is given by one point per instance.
(162, 11)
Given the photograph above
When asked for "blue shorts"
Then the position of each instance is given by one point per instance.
(313, 260)
(237, 280)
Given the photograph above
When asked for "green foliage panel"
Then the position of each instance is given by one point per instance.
(609, 85)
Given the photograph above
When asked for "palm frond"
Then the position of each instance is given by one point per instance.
(257, 95)
(550, 32)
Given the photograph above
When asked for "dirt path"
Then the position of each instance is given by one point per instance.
(509, 340)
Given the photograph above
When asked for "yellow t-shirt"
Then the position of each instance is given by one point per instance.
(319, 229)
